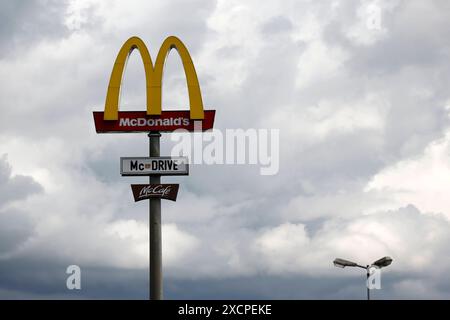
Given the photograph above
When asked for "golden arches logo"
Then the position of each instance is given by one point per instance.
(153, 76)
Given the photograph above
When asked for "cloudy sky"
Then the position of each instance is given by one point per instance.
(360, 91)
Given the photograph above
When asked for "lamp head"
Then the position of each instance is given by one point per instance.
(383, 262)
(342, 263)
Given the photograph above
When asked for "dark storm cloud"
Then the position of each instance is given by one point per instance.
(15, 187)
(413, 57)
(42, 279)
(15, 225)
(265, 287)
(15, 229)
(348, 284)
(276, 25)
(37, 278)
(23, 23)
(408, 67)
(417, 38)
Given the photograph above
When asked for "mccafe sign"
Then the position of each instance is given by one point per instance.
(147, 191)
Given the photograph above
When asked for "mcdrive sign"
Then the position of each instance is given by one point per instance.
(154, 119)
(146, 166)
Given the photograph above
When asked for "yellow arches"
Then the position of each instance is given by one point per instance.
(153, 77)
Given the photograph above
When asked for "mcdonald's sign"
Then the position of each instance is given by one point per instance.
(154, 119)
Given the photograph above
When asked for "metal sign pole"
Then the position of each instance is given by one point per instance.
(156, 289)
(367, 283)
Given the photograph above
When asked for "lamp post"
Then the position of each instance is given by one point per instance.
(380, 263)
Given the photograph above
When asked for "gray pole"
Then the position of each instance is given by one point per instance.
(156, 288)
(367, 283)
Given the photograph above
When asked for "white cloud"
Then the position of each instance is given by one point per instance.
(319, 62)
(176, 245)
(281, 247)
(422, 181)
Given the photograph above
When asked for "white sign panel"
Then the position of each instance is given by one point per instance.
(166, 166)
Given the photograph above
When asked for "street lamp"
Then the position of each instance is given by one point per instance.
(380, 263)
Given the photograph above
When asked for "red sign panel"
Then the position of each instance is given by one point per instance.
(139, 121)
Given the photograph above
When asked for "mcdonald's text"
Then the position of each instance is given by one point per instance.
(139, 121)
